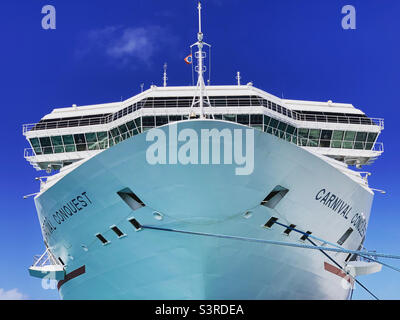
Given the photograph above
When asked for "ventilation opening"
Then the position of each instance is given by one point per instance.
(345, 236)
(270, 222)
(135, 224)
(101, 238)
(61, 261)
(290, 229)
(355, 256)
(117, 231)
(131, 199)
(305, 236)
(348, 257)
(273, 198)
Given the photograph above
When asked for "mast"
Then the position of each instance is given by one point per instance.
(165, 78)
(200, 68)
(238, 77)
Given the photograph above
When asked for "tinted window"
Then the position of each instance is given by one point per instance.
(349, 135)
(148, 121)
(338, 135)
(243, 119)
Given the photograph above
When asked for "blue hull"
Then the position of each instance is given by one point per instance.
(154, 264)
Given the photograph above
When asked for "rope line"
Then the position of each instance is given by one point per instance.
(314, 246)
(281, 243)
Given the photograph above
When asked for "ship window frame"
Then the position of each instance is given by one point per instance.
(271, 221)
(305, 236)
(117, 231)
(345, 236)
(135, 223)
(288, 230)
(102, 239)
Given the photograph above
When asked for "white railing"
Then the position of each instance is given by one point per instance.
(339, 119)
(217, 104)
(69, 148)
(302, 142)
(44, 260)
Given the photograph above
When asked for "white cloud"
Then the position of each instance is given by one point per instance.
(123, 45)
(12, 294)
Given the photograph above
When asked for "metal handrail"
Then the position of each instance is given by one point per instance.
(217, 103)
(339, 119)
(302, 142)
(45, 259)
(319, 143)
(50, 150)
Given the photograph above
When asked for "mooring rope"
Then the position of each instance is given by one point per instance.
(314, 246)
(280, 243)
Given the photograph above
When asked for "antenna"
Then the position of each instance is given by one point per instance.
(200, 69)
(165, 78)
(238, 77)
(141, 87)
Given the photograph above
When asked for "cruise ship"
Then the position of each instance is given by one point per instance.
(204, 192)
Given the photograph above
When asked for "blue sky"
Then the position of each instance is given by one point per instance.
(102, 50)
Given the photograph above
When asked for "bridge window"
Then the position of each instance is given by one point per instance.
(273, 125)
(360, 140)
(326, 136)
(243, 119)
(161, 120)
(229, 117)
(337, 138)
(133, 130)
(69, 143)
(177, 118)
(282, 126)
(57, 144)
(124, 132)
(370, 140)
(36, 145)
(46, 145)
(91, 139)
(314, 137)
(114, 132)
(102, 138)
(148, 121)
(349, 139)
(303, 136)
(256, 121)
(80, 142)
(138, 122)
(266, 122)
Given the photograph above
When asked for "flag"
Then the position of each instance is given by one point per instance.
(188, 59)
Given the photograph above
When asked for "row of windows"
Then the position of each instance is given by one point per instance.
(220, 101)
(301, 136)
(320, 138)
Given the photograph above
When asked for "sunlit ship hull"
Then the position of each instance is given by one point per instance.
(159, 264)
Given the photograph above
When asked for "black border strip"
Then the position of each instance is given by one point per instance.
(71, 275)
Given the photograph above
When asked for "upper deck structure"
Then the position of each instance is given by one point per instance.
(336, 130)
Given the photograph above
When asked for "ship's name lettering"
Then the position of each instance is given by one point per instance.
(333, 202)
(66, 211)
(342, 208)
